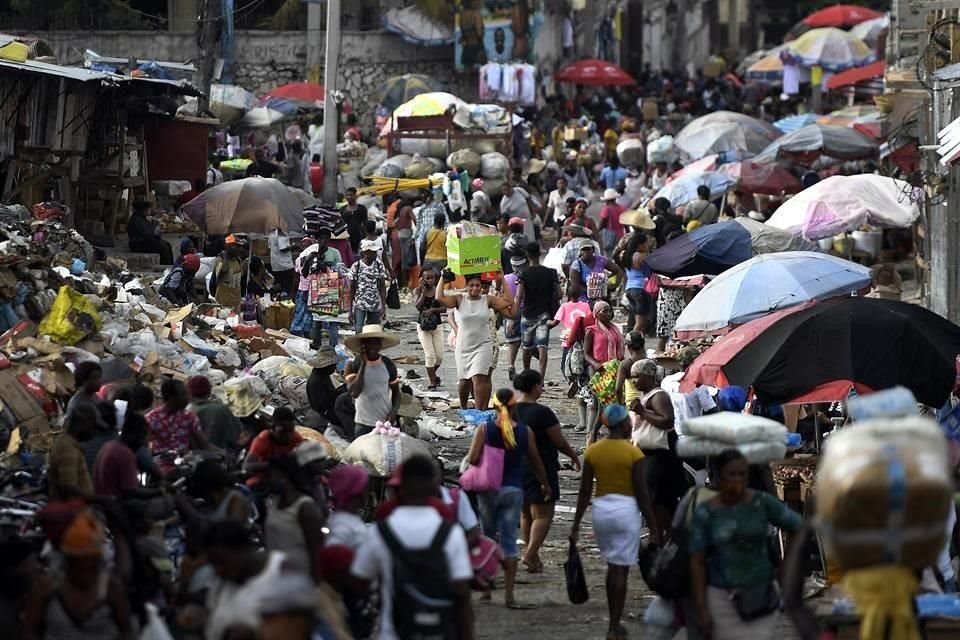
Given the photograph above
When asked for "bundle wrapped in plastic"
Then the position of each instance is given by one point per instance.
(630, 152)
(494, 166)
(380, 453)
(374, 158)
(884, 489)
(754, 452)
(419, 167)
(735, 428)
(661, 150)
(465, 158)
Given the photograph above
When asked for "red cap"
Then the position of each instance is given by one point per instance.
(191, 262)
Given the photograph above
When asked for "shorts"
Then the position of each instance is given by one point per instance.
(511, 331)
(535, 333)
(500, 517)
(641, 302)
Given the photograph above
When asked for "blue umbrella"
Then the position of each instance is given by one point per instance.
(792, 123)
(769, 283)
(684, 190)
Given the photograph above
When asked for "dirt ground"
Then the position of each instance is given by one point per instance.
(554, 614)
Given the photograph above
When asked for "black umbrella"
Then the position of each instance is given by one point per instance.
(877, 343)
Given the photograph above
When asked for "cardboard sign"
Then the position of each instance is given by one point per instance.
(479, 254)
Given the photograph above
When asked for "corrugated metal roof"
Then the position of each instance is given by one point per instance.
(73, 73)
(185, 87)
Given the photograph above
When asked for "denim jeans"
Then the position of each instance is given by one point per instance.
(363, 317)
(500, 517)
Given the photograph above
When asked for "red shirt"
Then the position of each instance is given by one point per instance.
(172, 431)
(265, 448)
(611, 213)
(115, 471)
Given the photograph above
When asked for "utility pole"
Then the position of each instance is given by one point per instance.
(209, 16)
(734, 29)
(314, 15)
(331, 115)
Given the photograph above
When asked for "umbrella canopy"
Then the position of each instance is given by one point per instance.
(809, 142)
(699, 139)
(858, 75)
(707, 163)
(306, 91)
(870, 30)
(850, 342)
(399, 89)
(427, 104)
(768, 283)
(250, 205)
(830, 48)
(715, 248)
(289, 106)
(769, 179)
(841, 15)
(597, 73)
(260, 117)
(767, 69)
(845, 203)
(680, 192)
(792, 123)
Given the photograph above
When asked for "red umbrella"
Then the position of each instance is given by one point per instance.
(307, 91)
(598, 73)
(857, 75)
(708, 368)
(840, 15)
(768, 179)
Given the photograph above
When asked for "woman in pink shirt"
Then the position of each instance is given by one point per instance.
(610, 228)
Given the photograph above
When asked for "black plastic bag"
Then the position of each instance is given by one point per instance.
(666, 569)
(576, 580)
(393, 296)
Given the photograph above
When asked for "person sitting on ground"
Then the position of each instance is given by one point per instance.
(279, 440)
(115, 470)
(413, 528)
(143, 233)
(177, 287)
(221, 427)
(325, 386)
(173, 428)
(372, 378)
(67, 473)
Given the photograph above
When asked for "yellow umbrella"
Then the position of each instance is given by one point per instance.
(768, 68)
(425, 104)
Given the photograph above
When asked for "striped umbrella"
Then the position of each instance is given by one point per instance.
(830, 48)
(400, 89)
(792, 123)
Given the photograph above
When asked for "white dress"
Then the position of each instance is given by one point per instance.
(473, 353)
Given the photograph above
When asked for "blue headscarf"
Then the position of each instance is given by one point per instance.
(732, 398)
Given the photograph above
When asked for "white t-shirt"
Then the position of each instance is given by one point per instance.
(232, 604)
(557, 203)
(465, 515)
(692, 404)
(347, 529)
(415, 528)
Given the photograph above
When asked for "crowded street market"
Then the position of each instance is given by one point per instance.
(589, 350)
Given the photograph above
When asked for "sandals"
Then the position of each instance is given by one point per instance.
(533, 567)
(513, 604)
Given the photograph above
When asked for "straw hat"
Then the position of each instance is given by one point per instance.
(610, 194)
(638, 219)
(535, 165)
(371, 332)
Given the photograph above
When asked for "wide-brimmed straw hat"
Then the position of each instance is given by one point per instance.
(638, 219)
(371, 332)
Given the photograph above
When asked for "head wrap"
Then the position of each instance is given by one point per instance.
(614, 414)
(346, 482)
(83, 537)
(198, 386)
(505, 422)
(601, 305)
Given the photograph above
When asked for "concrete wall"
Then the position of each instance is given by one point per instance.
(265, 59)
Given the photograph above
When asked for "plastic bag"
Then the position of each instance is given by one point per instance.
(576, 580)
(71, 319)
(660, 613)
(156, 628)
(466, 158)
(494, 166)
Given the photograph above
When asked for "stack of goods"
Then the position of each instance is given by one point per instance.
(884, 489)
(473, 248)
(328, 293)
(319, 217)
(794, 477)
(760, 440)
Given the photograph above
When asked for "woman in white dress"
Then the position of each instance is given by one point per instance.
(473, 353)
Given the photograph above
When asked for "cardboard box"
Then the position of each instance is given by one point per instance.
(468, 256)
(17, 398)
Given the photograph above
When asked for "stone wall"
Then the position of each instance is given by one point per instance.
(266, 59)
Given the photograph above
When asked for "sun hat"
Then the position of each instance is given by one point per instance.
(371, 332)
(369, 245)
(309, 451)
(347, 482)
(535, 166)
(325, 357)
(637, 219)
(610, 194)
(615, 414)
(645, 367)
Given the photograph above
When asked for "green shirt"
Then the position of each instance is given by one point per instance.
(218, 423)
(734, 539)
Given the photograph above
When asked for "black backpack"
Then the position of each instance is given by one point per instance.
(422, 602)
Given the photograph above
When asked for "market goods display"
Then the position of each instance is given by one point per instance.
(473, 248)
(883, 490)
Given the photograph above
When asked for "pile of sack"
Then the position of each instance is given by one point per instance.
(760, 440)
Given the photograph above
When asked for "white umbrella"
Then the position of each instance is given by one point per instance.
(259, 117)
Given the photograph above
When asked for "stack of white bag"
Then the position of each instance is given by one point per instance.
(759, 439)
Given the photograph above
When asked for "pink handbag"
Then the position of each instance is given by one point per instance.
(485, 557)
(488, 475)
